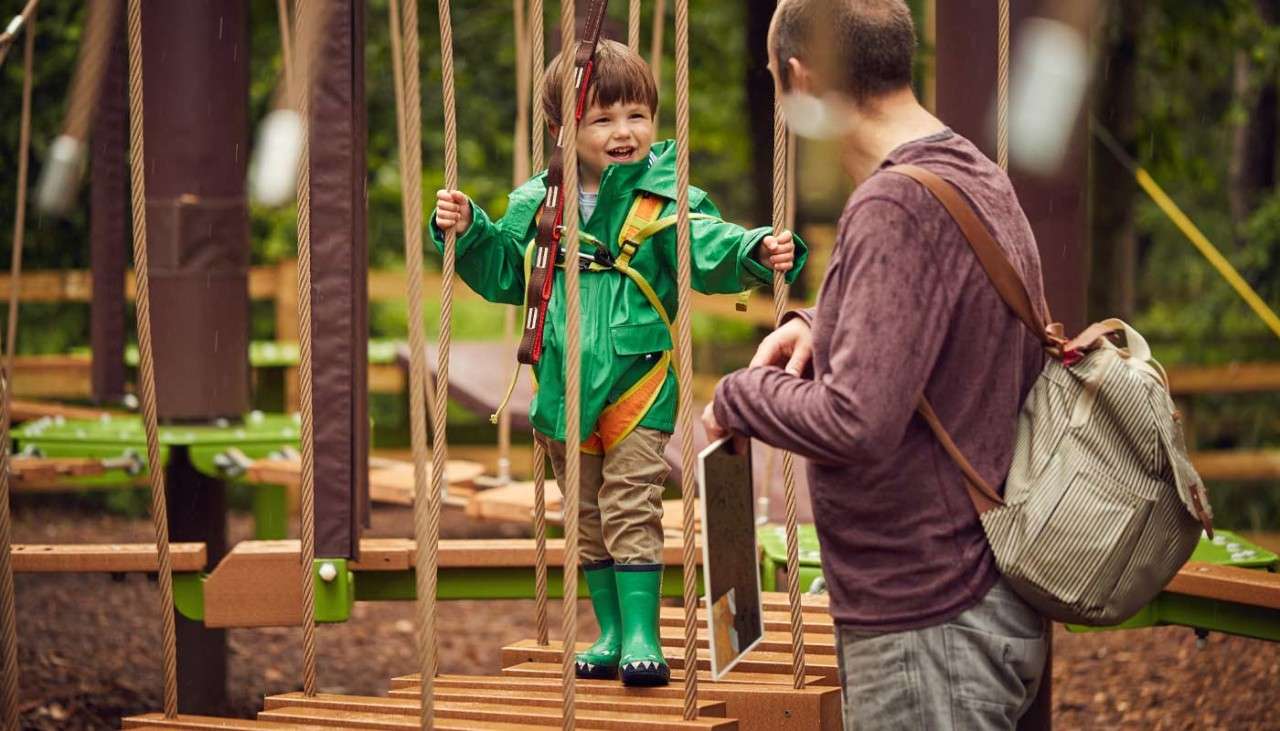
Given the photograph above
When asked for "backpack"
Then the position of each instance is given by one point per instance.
(1101, 506)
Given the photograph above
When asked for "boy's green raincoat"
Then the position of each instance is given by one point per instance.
(622, 334)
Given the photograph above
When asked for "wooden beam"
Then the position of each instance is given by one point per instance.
(1238, 465)
(1231, 378)
(1251, 587)
(22, 410)
(106, 558)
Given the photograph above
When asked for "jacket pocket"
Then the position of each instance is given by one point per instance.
(640, 338)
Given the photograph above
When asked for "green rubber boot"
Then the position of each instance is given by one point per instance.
(600, 661)
(639, 596)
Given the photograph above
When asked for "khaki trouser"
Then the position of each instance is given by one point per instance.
(619, 498)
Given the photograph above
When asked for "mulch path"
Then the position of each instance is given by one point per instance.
(88, 646)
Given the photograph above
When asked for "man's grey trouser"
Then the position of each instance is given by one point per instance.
(978, 671)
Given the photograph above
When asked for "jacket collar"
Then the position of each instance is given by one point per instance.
(656, 174)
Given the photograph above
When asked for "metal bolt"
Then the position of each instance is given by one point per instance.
(328, 572)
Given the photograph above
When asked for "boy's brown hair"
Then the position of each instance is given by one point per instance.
(619, 75)
(866, 47)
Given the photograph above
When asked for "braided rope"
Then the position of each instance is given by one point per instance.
(426, 532)
(10, 34)
(307, 29)
(684, 363)
(440, 408)
(573, 373)
(538, 140)
(540, 541)
(146, 362)
(655, 48)
(537, 60)
(780, 292)
(1002, 85)
(519, 174)
(286, 43)
(90, 67)
(8, 600)
(633, 26)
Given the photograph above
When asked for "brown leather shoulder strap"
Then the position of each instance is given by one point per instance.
(984, 496)
(1002, 274)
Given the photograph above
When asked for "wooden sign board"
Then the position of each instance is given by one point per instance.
(730, 566)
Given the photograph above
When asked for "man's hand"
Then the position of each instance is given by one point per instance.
(790, 346)
(709, 423)
(453, 211)
(777, 252)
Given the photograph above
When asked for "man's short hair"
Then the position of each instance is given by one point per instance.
(862, 48)
(619, 75)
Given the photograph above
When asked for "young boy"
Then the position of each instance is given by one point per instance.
(628, 384)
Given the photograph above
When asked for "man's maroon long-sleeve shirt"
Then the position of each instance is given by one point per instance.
(905, 308)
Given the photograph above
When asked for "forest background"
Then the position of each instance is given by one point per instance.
(1190, 87)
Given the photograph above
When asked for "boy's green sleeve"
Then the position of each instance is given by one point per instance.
(724, 254)
(489, 258)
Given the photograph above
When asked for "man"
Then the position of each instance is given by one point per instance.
(929, 634)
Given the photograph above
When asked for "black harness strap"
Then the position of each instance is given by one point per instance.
(541, 275)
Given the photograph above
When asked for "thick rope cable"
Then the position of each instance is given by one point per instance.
(15, 26)
(146, 362)
(573, 371)
(286, 42)
(426, 503)
(655, 47)
(537, 137)
(8, 599)
(1002, 84)
(439, 430)
(633, 26)
(684, 363)
(61, 174)
(308, 26)
(780, 292)
(540, 542)
(519, 174)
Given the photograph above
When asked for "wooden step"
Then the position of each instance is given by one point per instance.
(816, 643)
(184, 721)
(776, 601)
(755, 661)
(499, 711)
(498, 690)
(104, 557)
(735, 676)
(759, 701)
(1228, 583)
(773, 621)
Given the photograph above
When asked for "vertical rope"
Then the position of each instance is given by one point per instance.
(684, 358)
(519, 174)
(1002, 85)
(655, 48)
(573, 370)
(426, 498)
(146, 363)
(307, 29)
(8, 600)
(537, 60)
(440, 446)
(538, 136)
(286, 43)
(780, 290)
(633, 26)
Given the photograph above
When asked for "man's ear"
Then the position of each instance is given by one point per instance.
(799, 77)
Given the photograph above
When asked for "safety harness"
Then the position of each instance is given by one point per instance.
(547, 244)
(621, 417)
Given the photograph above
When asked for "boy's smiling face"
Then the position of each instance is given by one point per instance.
(621, 132)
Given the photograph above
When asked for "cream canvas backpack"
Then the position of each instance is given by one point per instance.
(1101, 506)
